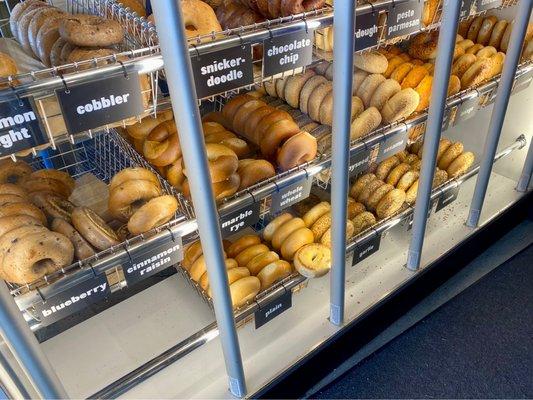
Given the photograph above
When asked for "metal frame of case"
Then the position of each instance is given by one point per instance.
(14, 328)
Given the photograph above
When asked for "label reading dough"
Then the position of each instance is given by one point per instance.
(404, 18)
(222, 70)
(20, 128)
(287, 52)
(97, 103)
(366, 30)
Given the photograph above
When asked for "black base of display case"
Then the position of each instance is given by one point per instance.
(301, 377)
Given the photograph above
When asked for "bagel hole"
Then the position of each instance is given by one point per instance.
(42, 266)
(190, 28)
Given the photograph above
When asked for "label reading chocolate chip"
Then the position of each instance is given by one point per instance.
(291, 194)
(271, 310)
(235, 221)
(359, 162)
(466, 8)
(147, 260)
(404, 18)
(392, 145)
(366, 30)
(287, 52)
(366, 249)
(447, 198)
(72, 300)
(466, 110)
(522, 82)
(100, 102)
(222, 70)
(483, 5)
(20, 128)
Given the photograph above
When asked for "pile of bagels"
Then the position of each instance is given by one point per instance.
(56, 37)
(136, 198)
(41, 230)
(277, 136)
(231, 165)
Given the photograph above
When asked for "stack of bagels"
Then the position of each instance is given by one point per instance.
(136, 197)
(249, 11)
(56, 37)
(273, 131)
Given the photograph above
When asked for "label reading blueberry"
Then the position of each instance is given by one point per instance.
(366, 30)
(404, 18)
(359, 162)
(222, 70)
(270, 311)
(291, 194)
(287, 52)
(97, 103)
(73, 299)
(235, 221)
(20, 128)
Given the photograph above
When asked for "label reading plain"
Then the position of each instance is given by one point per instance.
(20, 128)
(97, 103)
(267, 313)
(222, 70)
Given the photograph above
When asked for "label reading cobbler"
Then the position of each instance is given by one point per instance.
(20, 128)
(235, 221)
(287, 52)
(366, 30)
(404, 19)
(483, 5)
(222, 70)
(146, 262)
(73, 299)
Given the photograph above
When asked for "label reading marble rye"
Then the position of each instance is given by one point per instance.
(287, 52)
(235, 221)
(222, 70)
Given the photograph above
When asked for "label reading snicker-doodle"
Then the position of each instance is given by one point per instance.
(287, 52)
(404, 18)
(222, 70)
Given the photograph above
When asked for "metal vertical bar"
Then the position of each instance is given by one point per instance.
(344, 40)
(25, 348)
(439, 92)
(10, 381)
(525, 177)
(180, 81)
(500, 108)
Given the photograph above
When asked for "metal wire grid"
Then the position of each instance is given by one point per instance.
(104, 156)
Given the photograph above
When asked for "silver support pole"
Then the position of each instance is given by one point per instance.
(439, 92)
(525, 177)
(10, 381)
(180, 81)
(500, 108)
(26, 349)
(344, 39)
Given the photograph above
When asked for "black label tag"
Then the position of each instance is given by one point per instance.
(522, 82)
(222, 70)
(287, 52)
(366, 249)
(359, 162)
(366, 33)
(291, 194)
(20, 128)
(483, 5)
(72, 300)
(392, 145)
(466, 8)
(404, 18)
(100, 102)
(409, 221)
(233, 222)
(272, 310)
(466, 110)
(447, 198)
(147, 262)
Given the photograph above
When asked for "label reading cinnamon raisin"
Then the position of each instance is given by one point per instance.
(287, 52)
(404, 18)
(222, 70)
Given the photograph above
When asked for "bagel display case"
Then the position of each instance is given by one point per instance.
(227, 166)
